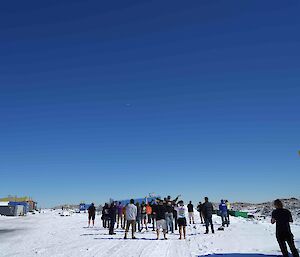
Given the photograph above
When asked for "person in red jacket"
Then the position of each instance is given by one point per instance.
(149, 212)
(144, 216)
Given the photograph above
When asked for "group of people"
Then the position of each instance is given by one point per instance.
(160, 214)
(206, 210)
(170, 214)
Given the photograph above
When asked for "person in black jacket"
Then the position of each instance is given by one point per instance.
(174, 204)
(105, 216)
(207, 213)
(112, 218)
(169, 216)
(190, 207)
(282, 217)
(154, 208)
(92, 213)
(160, 213)
(138, 216)
(175, 215)
(199, 209)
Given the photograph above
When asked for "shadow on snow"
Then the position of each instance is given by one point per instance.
(5, 231)
(128, 239)
(239, 255)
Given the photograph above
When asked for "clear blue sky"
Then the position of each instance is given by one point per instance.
(116, 99)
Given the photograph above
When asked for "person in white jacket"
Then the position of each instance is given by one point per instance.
(131, 213)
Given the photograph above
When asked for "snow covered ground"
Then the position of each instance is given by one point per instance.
(49, 234)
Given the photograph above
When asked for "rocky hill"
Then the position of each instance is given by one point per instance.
(266, 208)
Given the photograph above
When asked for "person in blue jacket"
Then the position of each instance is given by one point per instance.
(223, 212)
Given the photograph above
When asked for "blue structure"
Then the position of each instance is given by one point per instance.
(25, 204)
(83, 206)
(140, 200)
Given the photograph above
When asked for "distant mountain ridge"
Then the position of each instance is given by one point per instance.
(266, 208)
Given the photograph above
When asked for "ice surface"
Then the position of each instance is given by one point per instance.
(49, 234)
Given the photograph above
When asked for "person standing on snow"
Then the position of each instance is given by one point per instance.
(181, 219)
(105, 212)
(207, 214)
(124, 217)
(173, 204)
(143, 215)
(131, 213)
(228, 209)
(149, 213)
(190, 207)
(92, 213)
(169, 216)
(112, 217)
(223, 213)
(138, 216)
(119, 215)
(160, 213)
(199, 209)
(282, 217)
(154, 207)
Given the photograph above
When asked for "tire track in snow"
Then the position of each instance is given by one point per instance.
(111, 249)
(148, 250)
